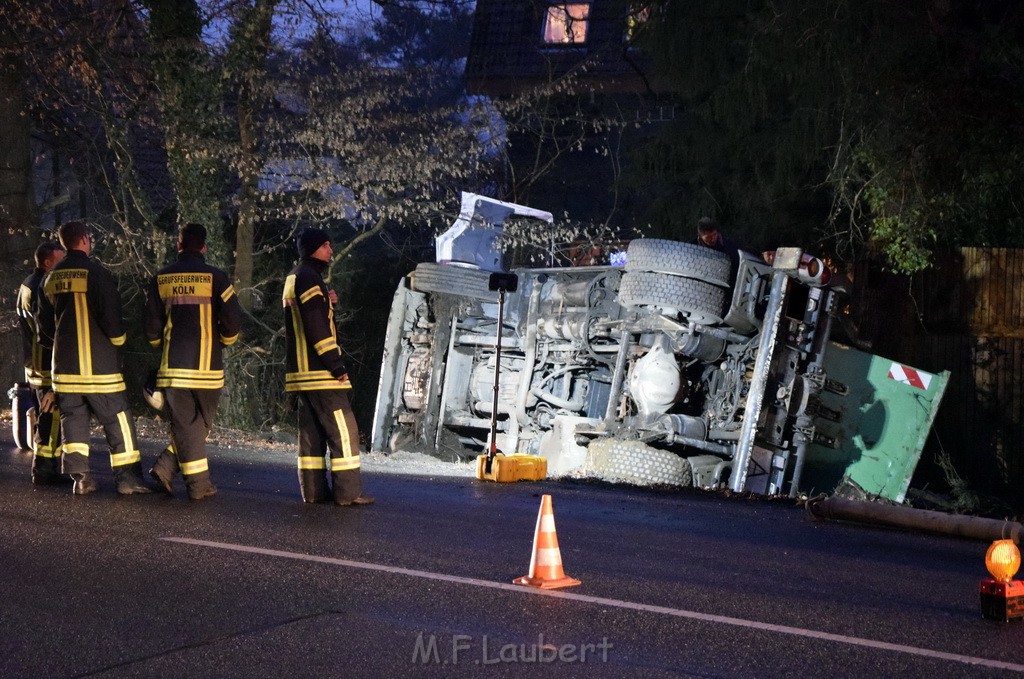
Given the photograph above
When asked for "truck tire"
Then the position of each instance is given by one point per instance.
(702, 301)
(453, 280)
(682, 259)
(637, 463)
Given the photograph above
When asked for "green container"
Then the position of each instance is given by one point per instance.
(886, 417)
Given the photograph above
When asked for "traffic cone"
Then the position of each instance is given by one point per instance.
(546, 563)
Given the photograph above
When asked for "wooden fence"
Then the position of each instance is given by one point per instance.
(967, 316)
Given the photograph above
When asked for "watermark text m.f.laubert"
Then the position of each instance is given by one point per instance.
(430, 649)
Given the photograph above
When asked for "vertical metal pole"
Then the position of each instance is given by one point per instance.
(497, 369)
(618, 376)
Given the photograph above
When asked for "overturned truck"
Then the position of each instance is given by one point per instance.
(685, 366)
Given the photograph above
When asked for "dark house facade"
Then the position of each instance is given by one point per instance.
(522, 43)
(519, 45)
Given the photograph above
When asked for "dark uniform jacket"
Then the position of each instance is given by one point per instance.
(80, 317)
(192, 309)
(314, 357)
(37, 357)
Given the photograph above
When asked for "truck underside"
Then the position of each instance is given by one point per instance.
(685, 367)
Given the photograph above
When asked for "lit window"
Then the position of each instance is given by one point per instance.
(566, 23)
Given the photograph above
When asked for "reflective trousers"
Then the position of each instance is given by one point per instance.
(326, 422)
(46, 438)
(192, 414)
(118, 427)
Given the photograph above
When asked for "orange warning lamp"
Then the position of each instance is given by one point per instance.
(1002, 597)
(1003, 560)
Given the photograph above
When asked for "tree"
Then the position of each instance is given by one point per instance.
(15, 166)
(892, 125)
(190, 100)
(247, 57)
(275, 128)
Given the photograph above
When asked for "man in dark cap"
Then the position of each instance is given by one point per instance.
(316, 374)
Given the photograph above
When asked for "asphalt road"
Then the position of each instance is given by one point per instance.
(252, 583)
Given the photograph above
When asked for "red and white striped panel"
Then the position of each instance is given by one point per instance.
(908, 375)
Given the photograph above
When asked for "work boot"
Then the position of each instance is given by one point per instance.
(162, 483)
(199, 486)
(361, 500)
(164, 471)
(84, 484)
(348, 488)
(129, 480)
(208, 491)
(313, 484)
(46, 471)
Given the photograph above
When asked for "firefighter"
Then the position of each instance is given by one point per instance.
(46, 436)
(193, 311)
(80, 317)
(317, 376)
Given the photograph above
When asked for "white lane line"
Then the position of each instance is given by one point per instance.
(614, 603)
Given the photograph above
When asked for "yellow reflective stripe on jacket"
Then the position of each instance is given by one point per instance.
(228, 341)
(228, 293)
(25, 300)
(112, 378)
(325, 345)
(314, 380)
(78, 389)
(194, 467)
(317, 386)
(165, 355)
(301, 357)
(205, 336)
(84, 339)
(118, 341)
(39, 378)
(312, 462)
(288, 294)
(88, 384)
(310, 294)
(184, 383)
(290, 302)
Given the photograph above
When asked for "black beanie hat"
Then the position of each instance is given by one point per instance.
(310, 240)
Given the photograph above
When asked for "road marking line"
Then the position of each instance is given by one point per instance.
(615, 603)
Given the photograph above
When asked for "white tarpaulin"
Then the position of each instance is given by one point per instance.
(473, 239)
